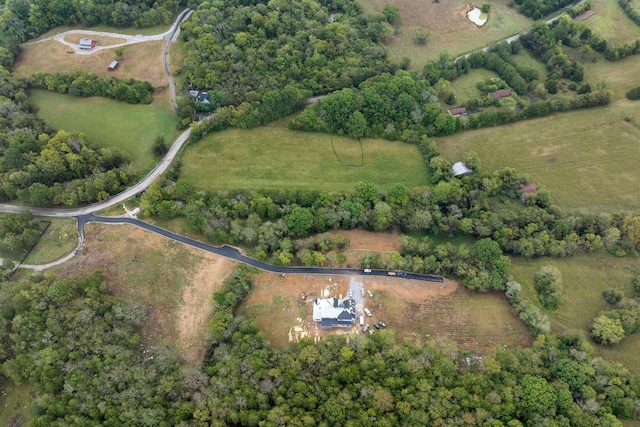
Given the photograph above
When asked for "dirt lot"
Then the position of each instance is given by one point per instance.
(174, 282)
(141, 61)
(415, 309)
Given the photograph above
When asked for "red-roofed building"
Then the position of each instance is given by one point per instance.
(457, 112)
(528, 189)
(502, 93)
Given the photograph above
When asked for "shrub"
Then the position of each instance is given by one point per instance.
(612, 296)
(485, 7)
(636, 286)
(634, 93)
(420, 36)
(548, 283)
(607, 331)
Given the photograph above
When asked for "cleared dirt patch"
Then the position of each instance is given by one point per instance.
(102, 40)
(141, 61)
(361, 239)
(173, 281)
(413, 309)
(584, 15)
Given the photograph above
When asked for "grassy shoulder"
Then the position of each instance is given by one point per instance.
(131, 128)
(585, 277)
(274, 157)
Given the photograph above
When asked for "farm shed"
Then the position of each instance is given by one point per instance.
(87, 44)
(502, 93)
(528, 189)
(460, 169)
(331, 313)
(457, 112)
(113, 65)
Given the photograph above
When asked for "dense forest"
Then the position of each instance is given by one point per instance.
(79, 348)
(240, 50)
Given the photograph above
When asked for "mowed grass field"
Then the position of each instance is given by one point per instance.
(448, 26)
(16, 403)
(585, 277)
(141, 61)
(59, 240)
(586, 158)
(611, 21)
(277, 158)
(131, 128)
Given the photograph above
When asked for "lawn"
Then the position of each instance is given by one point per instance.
(465, 86)
(584, 278)
(59, 240)
(149, 31)
(277, 158)
(109, 123)
(448, 26)
(49, 246)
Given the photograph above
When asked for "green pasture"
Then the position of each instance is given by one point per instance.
(611, 21)
(587, 159)
(584, 278)
(277, 158)
(131, 128)
(448, 27)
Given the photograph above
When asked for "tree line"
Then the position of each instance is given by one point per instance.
(80, 350)
(79, 83)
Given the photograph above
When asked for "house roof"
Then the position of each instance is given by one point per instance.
(501, 93)
(332, 310)
(529, 189)
(458, 111)
(86, 43)
(460, 169)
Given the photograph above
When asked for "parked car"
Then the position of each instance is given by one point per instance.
(376, 325)
(370, 294)
(367, 270)
(366, 328)
(350, 294)
(368, 312)
(381, 323)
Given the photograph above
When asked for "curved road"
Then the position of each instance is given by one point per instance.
(234, 254)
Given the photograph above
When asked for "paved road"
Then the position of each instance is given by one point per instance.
(173, 35)
(234, 254)
(118, 198)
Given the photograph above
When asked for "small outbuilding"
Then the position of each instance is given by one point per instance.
(113, 65)
(460, 169)
(457, 112)
(502, 93)
(87, 44)
(528, 190)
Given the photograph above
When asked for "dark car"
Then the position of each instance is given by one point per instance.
(376, 325)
